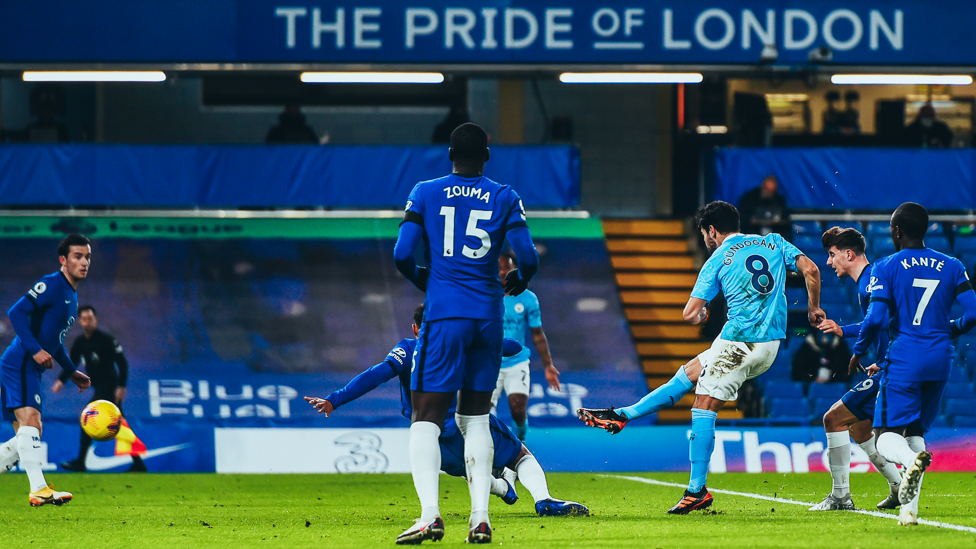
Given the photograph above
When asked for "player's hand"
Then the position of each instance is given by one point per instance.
(81, 380)
(420, 282)
(702, 316)
(552, 376)
(323, 406)
(119, 395)
(830, 327)
(514, 284)
(873, 369)
(44, 360)
(855, 366)
(816, 315)
(57, 386)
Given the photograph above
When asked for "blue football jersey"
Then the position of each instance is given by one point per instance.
(521, 313)
(865, 283)
(919, 287)
(55, 307)
(750, 270)
(465, 221)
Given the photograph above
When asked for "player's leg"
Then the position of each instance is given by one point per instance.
(899, 405)
(31, 458)
(932, 392)
(452, 463)
(8, 450)
(531, 475)
(482, 364)
(497, 394)
(614, 420)
(908, 514)
(860, 401)
(837, 423)
(517, 385)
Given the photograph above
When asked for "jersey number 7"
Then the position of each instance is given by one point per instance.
(472, 230)
(930, 285)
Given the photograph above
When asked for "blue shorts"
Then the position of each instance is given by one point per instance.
(901, 403)
(507, 448)
(457, 353)
(860, 400)
(19, 386)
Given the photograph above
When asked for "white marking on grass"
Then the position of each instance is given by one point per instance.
(795, 502)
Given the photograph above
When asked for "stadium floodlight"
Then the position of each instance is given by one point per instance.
(905, 79)
(372, 77)
(94, 76)
(630, 78)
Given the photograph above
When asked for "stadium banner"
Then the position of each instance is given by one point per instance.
(851, 178)
(859, 32)
(545, 176)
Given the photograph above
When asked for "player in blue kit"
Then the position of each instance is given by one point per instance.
(522, 315)
(510, 454)
(41, 320)
(750, 270)
(463, 219)
(915, 288)
(850, 417)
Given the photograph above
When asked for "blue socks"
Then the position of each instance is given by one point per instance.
(522, 430)
(663, 397)
(701, 445)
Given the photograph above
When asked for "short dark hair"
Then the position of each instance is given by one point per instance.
(511, 256)
(74, 239)
(844, 239)
(721, 215)
(418, 315)
(84, 308)
(469, 143)
(912, 219)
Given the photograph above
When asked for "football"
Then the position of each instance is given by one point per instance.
(101, 420)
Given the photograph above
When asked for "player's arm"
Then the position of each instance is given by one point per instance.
(542, 347)
(75, 357)
(357, 387)
(123, 365)
(696, 310)
(811, 275)
(830, 327)
(967, 298)
(407, 240)
(76, 377)
(873, 322)
(19, 316)
(528, 259)
(706, 289)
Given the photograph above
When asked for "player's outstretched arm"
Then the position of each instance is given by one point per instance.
(61, 355)
(357, 387)
(528, 258)
(811, 274)
(967, 321)
(409, 237)
(542, 346)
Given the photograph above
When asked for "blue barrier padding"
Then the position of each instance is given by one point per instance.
(266, 176)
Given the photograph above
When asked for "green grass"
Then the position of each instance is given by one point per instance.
(158, 510)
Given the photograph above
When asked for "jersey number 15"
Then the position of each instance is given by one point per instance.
(448, 212)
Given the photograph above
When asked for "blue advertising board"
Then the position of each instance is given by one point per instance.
(859, 32)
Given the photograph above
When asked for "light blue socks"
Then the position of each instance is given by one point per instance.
(662, 397)
(701, 445)
(522, 430)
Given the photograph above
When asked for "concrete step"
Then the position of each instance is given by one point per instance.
(675, 350)
(666, 331)
(654, 314)
(655, 297)
(656, 280)
(643, 227)
(653, 262)
(658, 246)
(661, 367)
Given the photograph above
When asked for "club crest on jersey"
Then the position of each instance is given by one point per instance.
(468, 192)
(519, 308)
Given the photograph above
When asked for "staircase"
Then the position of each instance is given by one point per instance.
(655, 272)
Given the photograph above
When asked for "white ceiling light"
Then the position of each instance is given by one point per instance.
(905, 79)
(94, 76)
(372, 77)
(630, 77)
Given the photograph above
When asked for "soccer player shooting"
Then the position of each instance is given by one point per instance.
(41, 320)
(463, 219)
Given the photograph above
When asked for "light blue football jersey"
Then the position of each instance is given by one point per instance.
(750, 270)
(521, 313)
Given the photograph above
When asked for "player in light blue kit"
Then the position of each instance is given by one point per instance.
(915, 288)
(850, 417)
(511, 456)
(750, 270)
(522, 315)
(463, 219)
(41, 320)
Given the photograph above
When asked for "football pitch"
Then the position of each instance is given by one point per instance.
(359, 510)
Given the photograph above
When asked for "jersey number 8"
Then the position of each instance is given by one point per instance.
(762, 279)
(472, 230)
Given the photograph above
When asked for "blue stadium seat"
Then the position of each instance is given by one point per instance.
(938, 243)
(935, 228)
(943, 421)
(807, 228)
(779, 372)
(827, 390)
(792, 344)
(959, 375)
(968, 260)
(961, 421)
(809, 243)
(959, 390)
(881, 246)
(965, 244)
(784, 389)
(879, 228)
(856, 225)
(788, 407)
(960, 407)
(962, 231)
(842, 313)
(821, 405)
(796, 298)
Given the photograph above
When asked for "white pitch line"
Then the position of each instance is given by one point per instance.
(795, 502)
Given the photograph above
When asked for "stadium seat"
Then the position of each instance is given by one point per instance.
(856, 225)
(959, 390)
(943, 421)
(807, 228)
(784, 389)
(821, 405)
(779, 372)
(881, 246)
(842, 313)
(796, 298)
(960, 421)
(960, 407)
(939, 243)
(935, 227)
(959, 375)
(810, 244)
(965, 245)
(879, 228)
(787, 407)
(964, 230)
(792, 344)
(827, 390)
